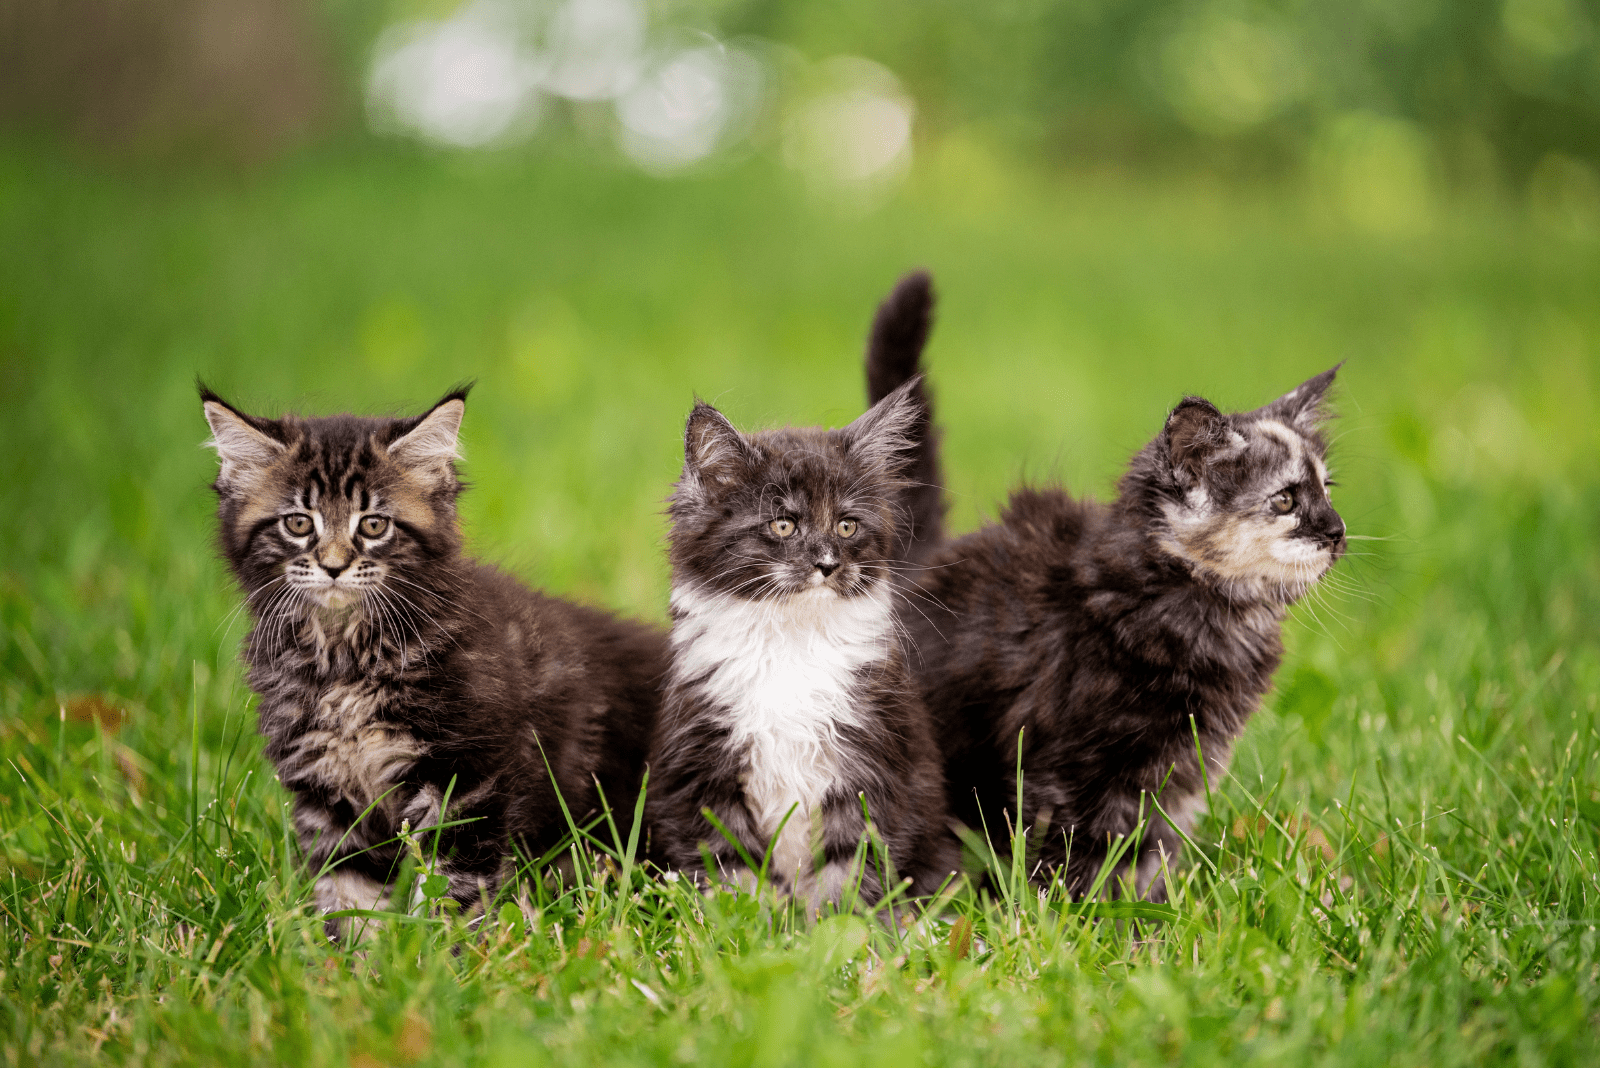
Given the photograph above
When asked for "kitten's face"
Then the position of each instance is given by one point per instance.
(789, 513)
(1247, 501)
(342, 513)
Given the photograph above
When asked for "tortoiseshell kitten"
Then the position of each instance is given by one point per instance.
(393, 670)
(1099, 630)
(788, 686)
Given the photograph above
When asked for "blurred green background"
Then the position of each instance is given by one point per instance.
(1121, 203)
(319, 207)
(599, 209)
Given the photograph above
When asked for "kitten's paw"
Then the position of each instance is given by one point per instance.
(342, 891)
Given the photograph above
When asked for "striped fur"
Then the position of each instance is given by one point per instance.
(393, 671)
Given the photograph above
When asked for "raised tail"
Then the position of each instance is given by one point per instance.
(894, 356)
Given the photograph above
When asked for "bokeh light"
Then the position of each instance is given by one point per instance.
(461, 81)
(482, 76)
(853, 129)
(687, 104)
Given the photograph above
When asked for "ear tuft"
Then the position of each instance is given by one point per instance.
(1195, 429)
(715, 454)
(242, 447)
(884, 436)
(1305, 406)
(433, 444)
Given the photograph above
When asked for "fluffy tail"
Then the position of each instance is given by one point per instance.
(894, 356)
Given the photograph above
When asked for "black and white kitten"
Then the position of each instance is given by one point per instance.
(788, 686)
(1097, 631)
(393, 670)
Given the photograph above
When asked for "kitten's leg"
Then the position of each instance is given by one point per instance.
(729, 867)
(350, 874)
(1159, 852)
(828, 884)
(1138, 871)
(472, 853)
(734, 875)
(688, 838)
(837, 874)
(340, 890)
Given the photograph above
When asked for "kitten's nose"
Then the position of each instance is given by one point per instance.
(333, 572)
(827, 567)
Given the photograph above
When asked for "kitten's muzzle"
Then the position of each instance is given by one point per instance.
(335, 560)
(1329, 535)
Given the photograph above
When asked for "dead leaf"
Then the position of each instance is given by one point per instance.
(415, 1040)
(96, 708)
(961, 938)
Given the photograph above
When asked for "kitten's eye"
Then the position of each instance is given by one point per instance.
(298, 524)
(1282, 502)
(782, 527)
(373, 526)
(846, 527)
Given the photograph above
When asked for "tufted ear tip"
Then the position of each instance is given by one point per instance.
(1306, 405)
(885, 434)
(242, 446)
(433, 444)
(714, 452)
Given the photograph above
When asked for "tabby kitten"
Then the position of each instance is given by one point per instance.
(1098, 631)
(393, 671)
(788, 686)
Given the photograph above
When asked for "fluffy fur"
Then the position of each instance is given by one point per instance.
(393, 671)
(788, 687)
(1098, 631)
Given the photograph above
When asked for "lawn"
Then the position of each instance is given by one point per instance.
(1400, 868)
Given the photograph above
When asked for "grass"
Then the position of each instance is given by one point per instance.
(1400, 868)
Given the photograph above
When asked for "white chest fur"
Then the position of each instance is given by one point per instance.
(783, 675)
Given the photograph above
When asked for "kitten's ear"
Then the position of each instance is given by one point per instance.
(1305, 406)
(715, 454)
(432, 445)
(1195, 430)
(884, 436)
(242, 446)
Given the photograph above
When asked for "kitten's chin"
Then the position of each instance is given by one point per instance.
(814, 591)
(1288, 585)
(336, 598)
(1248, 561)
(1280, 585)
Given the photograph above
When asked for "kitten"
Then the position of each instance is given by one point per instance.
(1099, 630)
(392, 670)
(788, 686)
